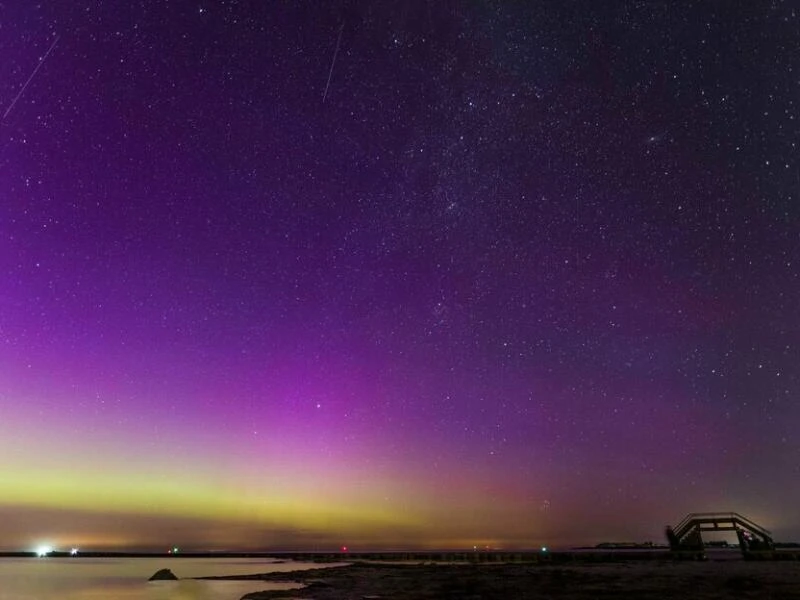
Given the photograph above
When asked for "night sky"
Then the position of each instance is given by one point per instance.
(397, 274)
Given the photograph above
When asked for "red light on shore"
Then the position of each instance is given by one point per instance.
(344, 548)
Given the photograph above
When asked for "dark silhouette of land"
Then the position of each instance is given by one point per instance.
(677, 580)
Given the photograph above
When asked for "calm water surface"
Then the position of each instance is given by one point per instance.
(126, 578)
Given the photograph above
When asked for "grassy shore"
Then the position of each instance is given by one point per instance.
(662, 580)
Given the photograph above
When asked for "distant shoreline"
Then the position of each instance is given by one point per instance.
(582, 554)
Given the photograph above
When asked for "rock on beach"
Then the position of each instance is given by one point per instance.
(163, 575)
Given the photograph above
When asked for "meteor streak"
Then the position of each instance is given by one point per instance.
(35, 70)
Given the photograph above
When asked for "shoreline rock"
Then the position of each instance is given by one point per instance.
(163, 575)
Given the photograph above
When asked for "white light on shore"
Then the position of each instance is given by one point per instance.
(73, 552)
(43, 550)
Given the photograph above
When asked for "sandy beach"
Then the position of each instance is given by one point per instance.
(631, 579)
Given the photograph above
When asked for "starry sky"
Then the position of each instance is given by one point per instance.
(396, 274)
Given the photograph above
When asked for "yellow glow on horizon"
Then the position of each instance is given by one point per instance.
(141, 494)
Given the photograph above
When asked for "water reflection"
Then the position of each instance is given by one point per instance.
(126, 579)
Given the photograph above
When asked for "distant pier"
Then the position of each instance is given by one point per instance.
(755, 541)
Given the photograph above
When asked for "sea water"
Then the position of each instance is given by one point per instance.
(127, 578)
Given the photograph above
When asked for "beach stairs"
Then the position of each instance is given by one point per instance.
(687, 536)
